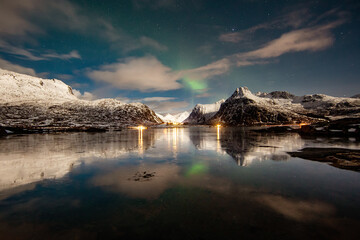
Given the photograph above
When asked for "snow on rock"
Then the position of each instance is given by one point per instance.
(279, 107)
(276, 94)
(28, 101)
(16, 87)
(174, 118)
(201, 113)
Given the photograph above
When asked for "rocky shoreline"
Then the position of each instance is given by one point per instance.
(337, 157)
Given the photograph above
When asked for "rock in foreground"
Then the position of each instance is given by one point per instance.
(337, 157)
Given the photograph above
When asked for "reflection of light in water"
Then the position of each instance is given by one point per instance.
(174, 141)
(168, 138)
(218, 131)
(218, 145)
(141, 142)
(140, 127)
(175, 132)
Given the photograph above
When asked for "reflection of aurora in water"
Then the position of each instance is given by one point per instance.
(196, 188)
(196, 168)
(31, 158)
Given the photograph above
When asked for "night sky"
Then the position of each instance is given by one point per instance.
(173, 54)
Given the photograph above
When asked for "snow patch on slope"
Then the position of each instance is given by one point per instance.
(31, 101)
(203, 112)
(245, 108)
(174, 118)
(16, 87)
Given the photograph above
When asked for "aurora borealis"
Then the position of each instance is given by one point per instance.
(173, 54)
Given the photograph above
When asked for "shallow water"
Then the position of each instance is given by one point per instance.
(200, 183)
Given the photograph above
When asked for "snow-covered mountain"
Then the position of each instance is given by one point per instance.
(27, 101)
(245, 108)
(201, 113)
(174, 118)
(21, 88)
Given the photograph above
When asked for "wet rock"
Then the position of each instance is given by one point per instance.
(279, 129)
(307, 129)
(142, 176)
(3, 131)
(337, 157)
(347, 127)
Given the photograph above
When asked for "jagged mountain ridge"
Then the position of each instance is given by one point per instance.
(174, 118)
(279, 107)
(28, 101)
(245, 108)
(202, 113)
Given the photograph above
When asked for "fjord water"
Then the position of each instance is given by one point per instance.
(174, 183)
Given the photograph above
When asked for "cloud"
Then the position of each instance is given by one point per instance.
(303, 211)
(13, 21)
(233, 37)
(216, 68)
(86, 96)
(124, 99)
(64, 76)
(118, 39)
(16, 68)
(18, 51)
(315, 36)
(294, 19)
(27, 54)
(168, 106)
(158, 104)
(23, 22)
(157, 99)
(203, 95)
(307, 39)
(146, 74)
(145, 41)
(17, 17)
(118, 181)
(72, 54)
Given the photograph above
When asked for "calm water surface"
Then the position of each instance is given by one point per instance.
(200, 183)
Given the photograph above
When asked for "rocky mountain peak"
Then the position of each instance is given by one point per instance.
(241, 92)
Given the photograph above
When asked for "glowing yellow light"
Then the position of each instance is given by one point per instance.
(140, 139)
(302, 124)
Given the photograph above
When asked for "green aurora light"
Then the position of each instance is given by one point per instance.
(195, 84)
(196, 169)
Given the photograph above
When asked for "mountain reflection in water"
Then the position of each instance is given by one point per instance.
(197, 182)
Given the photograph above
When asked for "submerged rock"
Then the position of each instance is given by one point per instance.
(142, 176)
